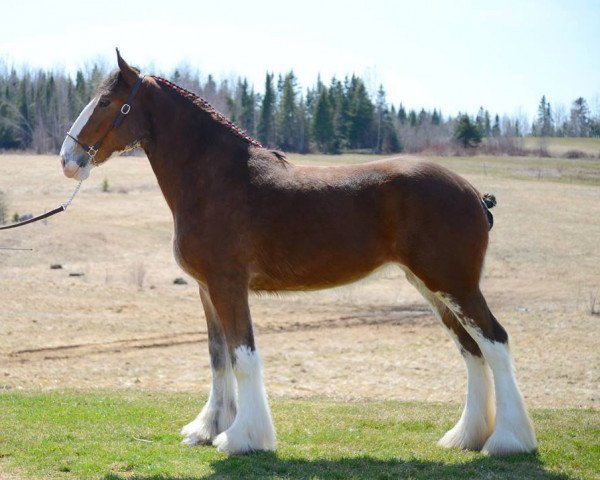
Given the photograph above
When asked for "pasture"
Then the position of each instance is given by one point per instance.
(340, 364)
(558, 146)
(134, 435)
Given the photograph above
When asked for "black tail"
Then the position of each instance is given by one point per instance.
(488, 201)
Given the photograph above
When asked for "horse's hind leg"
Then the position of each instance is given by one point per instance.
(477, 420)
(219, 411)
(513, 432)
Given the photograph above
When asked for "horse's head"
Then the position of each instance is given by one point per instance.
(112, 122)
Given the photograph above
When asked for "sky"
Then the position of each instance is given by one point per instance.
(452, 55)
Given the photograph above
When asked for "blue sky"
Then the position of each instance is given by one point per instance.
(455, 55)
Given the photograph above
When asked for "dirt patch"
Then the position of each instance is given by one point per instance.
(115, 328)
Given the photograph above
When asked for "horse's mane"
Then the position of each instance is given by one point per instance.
(207, 107)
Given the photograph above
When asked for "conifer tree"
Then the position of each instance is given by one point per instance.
(266, 123)
(322, 123)
(303, 127)
(82, 96)
(390, 141)
(496, 128)
(467, 133)
(287, 115)
(412, 118)
(380, 108)
(544, 124)
(360, 115)
(480, 121)
(402, 117)
(247, 108)
(338, 100)
(580, 118)
(487, 125)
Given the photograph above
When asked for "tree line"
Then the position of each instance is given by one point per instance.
(558, 122)
(37, 108)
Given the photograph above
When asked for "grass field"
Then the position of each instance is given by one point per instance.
(133, 435)
(92, 366)
(573, 171)
(559, 146)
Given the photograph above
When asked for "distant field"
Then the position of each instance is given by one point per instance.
(581, 171)
(134, 435)
(559, 146)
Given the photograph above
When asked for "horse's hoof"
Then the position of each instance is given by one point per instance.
(238, 442)
(459, 437)
(503, 442)
(200, 431)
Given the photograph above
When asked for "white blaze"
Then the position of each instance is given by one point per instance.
(70, 151)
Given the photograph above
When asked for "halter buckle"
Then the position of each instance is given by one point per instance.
(125, 108)
(92, 153)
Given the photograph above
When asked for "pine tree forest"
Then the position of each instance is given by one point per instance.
(37, 108)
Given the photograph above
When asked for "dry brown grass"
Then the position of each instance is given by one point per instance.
(372, 339)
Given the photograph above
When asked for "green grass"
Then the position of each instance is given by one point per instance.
(134, 435)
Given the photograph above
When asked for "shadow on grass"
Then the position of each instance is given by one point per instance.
(269, 465)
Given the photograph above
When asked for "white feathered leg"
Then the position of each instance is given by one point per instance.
(218, 412)
(477, 420)
(514, 430)
(252, 428)
(220, 409)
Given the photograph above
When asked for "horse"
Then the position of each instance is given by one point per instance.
(247, 220)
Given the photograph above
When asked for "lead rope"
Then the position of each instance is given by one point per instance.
(62, 208)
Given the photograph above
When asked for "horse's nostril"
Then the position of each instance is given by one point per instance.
(62, 162)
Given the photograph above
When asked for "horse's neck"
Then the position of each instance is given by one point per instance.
(190, 153)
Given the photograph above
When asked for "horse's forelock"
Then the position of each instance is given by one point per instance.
(110, 82)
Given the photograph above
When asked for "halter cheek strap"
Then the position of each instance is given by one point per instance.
(92, 150)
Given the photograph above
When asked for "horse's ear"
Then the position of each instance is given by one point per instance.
(129, 74)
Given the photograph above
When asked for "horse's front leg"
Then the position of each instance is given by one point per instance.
(252, 428)
(219, 411)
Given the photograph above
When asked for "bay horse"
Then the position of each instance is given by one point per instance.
(245, 219)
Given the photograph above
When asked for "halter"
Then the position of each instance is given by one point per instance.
(92, 150)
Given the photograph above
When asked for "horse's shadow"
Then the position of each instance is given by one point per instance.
(269, 465)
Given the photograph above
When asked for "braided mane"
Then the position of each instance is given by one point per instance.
(219, 117)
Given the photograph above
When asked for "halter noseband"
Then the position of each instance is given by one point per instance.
(92, 150)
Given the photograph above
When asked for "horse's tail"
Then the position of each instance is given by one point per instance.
(489, 201)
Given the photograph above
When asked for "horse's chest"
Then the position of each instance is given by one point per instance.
(185, 260)
(200, 251)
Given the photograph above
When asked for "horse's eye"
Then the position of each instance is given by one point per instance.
(104, 102)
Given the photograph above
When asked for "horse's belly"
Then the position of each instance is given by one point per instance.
(323, 269)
